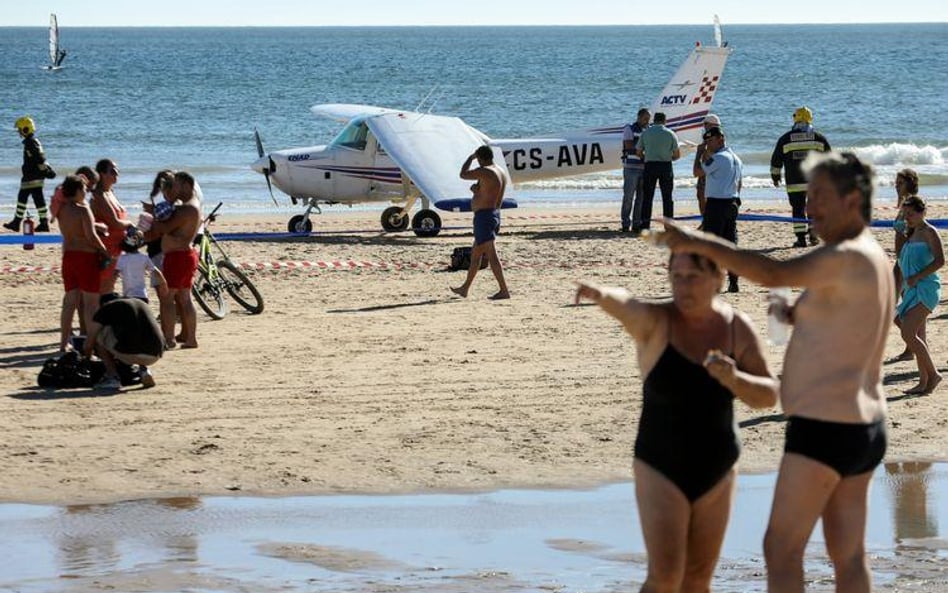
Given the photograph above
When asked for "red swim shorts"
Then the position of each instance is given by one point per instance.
(80, 270)
(179, 267)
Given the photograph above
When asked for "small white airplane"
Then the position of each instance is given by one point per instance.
(386, 155)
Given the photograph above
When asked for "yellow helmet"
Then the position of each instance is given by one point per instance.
(25, 125)
(803, 115)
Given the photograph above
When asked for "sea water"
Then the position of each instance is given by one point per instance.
(190, 98)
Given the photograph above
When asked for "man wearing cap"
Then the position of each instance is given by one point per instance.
(632, 171)
(35, 171)
(709, 122)
(722, 171)
(658, 147)
(788, 156)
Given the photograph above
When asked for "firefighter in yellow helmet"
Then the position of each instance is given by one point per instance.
(791, 150)
(35, 171)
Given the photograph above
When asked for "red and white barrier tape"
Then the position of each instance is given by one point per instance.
(341, 265)
(348, 264)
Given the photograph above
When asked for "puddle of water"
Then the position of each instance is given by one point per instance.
(504, 541)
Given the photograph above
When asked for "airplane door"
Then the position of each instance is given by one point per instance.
(354, 161)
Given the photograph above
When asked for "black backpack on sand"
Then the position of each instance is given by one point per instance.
(69, 371)
(461, 259)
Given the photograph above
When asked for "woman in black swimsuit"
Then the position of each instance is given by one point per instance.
(696, 355)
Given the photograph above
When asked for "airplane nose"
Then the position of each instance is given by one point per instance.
(264, 165)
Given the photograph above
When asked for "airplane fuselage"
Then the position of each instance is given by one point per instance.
(535, 159)
(342, 174)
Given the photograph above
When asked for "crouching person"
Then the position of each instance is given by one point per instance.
(125, 330)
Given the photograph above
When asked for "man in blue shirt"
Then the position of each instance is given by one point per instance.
(722, 171)
(632, 171)
(711, 121)
(658, 147)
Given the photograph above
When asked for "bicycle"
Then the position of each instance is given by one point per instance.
(214, 278)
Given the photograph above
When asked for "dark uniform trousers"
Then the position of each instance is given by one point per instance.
(720, 218)
(657, 172)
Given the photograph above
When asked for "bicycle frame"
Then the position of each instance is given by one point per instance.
(215, 277)
(206, 262)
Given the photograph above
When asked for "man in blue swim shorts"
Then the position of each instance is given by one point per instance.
(488, 189)
(486, 226)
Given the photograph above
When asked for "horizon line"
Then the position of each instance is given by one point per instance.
(464, 26)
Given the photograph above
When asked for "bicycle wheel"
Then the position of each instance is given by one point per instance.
(209, 294)
(240, 287)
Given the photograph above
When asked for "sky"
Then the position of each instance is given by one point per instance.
(72, 13)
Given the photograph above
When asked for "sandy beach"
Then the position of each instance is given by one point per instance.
(373, 378)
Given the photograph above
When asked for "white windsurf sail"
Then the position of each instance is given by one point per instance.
(56, 54)
(53, 40)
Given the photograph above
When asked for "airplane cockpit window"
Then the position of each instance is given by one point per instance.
(354, 135)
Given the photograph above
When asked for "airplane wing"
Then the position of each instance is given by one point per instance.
(430, 149)
(345, 111)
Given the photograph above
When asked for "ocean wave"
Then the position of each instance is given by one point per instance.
(899, 154)
(931, 162)
(894, 154)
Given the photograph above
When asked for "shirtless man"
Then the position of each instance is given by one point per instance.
(180, 260)
(83, 256)
(832, 390)
(490, 184)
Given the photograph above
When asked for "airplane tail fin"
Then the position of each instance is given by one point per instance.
(688, 96)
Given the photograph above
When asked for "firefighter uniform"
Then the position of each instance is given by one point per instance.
(35, 171)
(791, 150)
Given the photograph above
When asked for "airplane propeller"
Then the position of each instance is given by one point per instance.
(270, 166)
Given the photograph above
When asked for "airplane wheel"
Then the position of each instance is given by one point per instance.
(426, 223)
(299, 224)
(393, 219)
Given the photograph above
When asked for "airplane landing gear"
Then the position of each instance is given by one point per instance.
(426, 223)
(394, 219)
(300, 224)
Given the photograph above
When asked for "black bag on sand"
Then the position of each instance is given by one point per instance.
(69, 371)
(461, 259)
